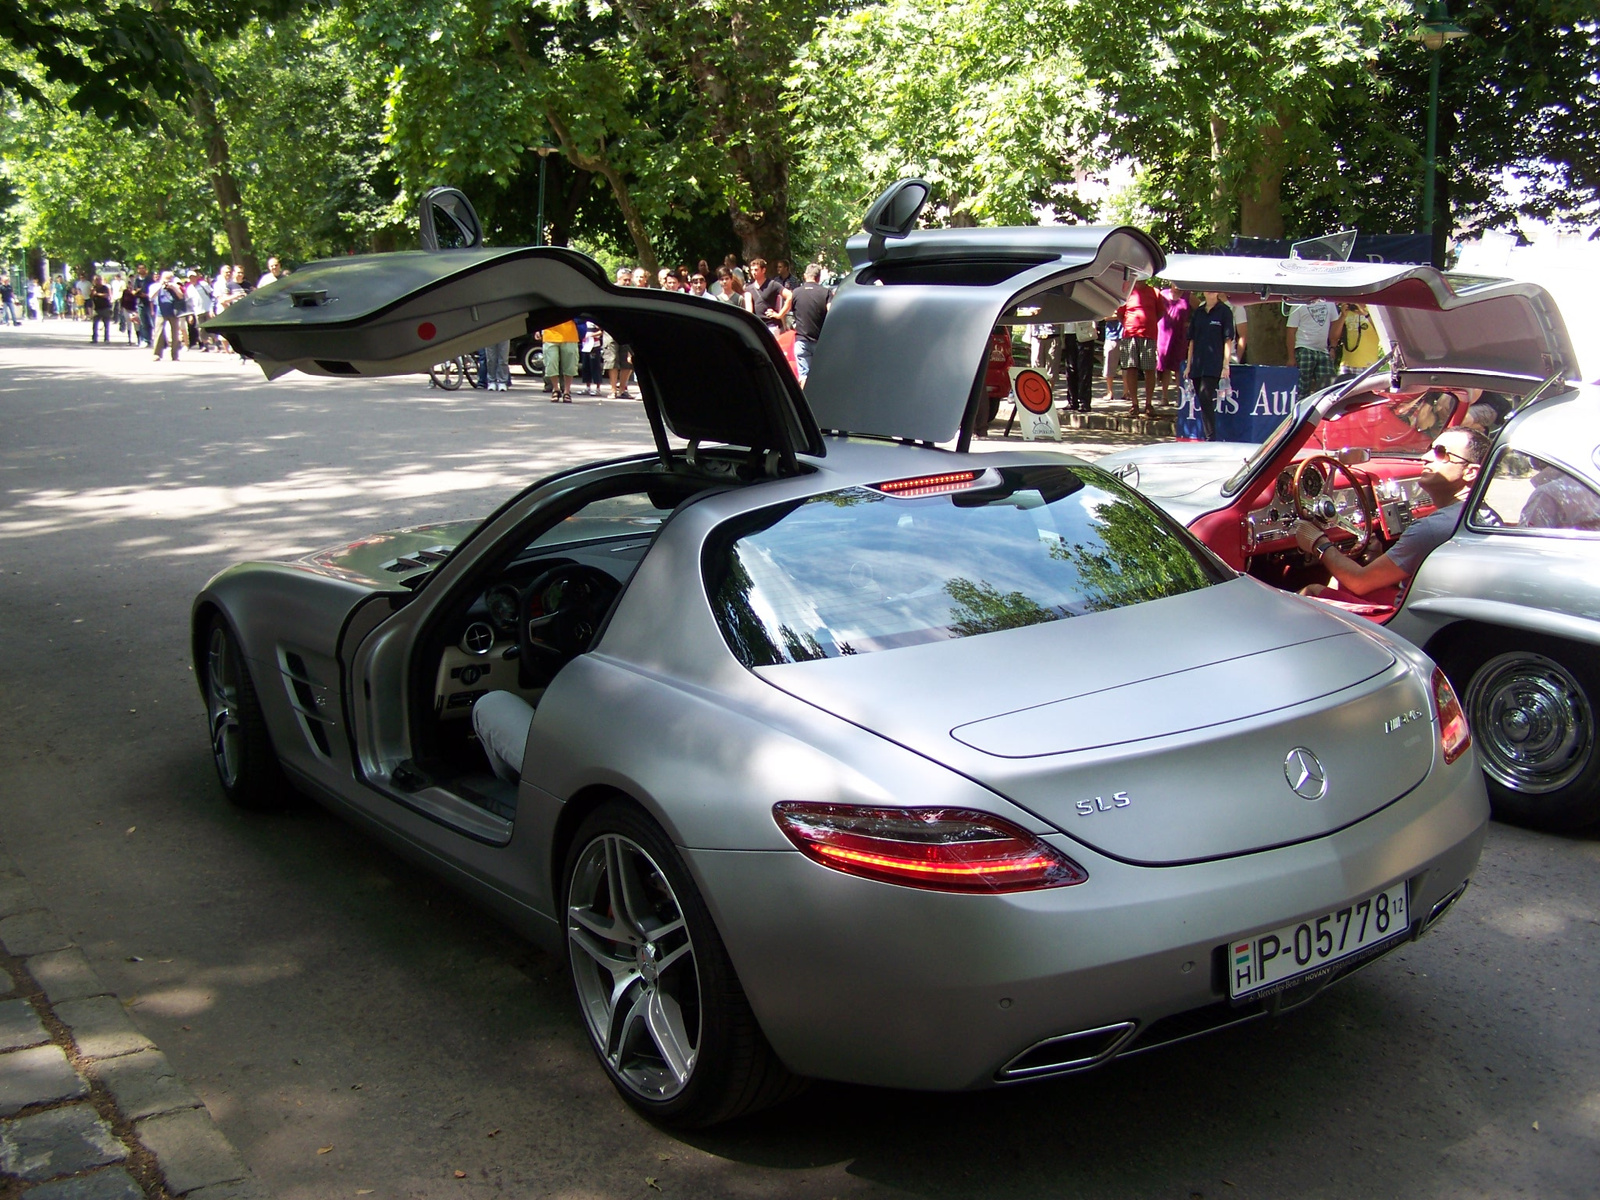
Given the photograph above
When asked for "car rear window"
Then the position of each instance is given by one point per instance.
(906, 562)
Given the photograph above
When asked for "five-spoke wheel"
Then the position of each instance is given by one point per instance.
(633, 964)
(658, 993)
(242, 752)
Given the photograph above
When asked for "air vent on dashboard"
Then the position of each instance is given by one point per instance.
(478, 639)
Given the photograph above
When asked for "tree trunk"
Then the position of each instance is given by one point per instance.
(1261, 215)
(742, 95)
(600, 165)
(203, 107)
(1443, 223)
(561, 218)
(762, 233)
(1221, 193)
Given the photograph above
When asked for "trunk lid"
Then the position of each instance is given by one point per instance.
(1158, 733)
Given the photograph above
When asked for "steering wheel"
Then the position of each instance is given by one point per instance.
(1324, 514)
(559, 614)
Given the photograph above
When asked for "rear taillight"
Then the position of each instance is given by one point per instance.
(1454, 736)
(941, 849)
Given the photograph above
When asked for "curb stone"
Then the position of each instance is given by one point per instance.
(90, 1109)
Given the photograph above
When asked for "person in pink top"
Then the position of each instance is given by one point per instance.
(1141, 315)
(1172, 339)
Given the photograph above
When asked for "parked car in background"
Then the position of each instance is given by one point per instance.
(843, 755)
(1510, 606)
(527, 351)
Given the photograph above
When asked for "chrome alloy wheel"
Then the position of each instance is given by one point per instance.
(1532, 721)
(634, 966)
(222, 706)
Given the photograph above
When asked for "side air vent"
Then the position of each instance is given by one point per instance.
(310, 701)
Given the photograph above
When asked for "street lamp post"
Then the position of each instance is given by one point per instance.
(1435, 30)
(544, 151)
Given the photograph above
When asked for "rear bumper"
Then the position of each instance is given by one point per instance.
(877, 984)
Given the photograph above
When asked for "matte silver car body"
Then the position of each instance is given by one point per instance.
(853, 979)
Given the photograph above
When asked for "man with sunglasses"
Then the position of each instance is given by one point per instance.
(1453, 463)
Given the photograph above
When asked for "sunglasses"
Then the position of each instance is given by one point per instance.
(1440, 453)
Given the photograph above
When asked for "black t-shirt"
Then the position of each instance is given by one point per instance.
(810, 310)
(100, 295)
(768, 295)
(1210, 329)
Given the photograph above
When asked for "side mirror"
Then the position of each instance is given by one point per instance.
(894, 213)
(448, 221)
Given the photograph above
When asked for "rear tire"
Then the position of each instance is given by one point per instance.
(663, 1008)
(533, 360)
(1531, 703)
(241, 750)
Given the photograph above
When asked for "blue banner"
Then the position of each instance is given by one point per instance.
(1247, 411)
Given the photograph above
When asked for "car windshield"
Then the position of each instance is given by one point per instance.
(1395, 424)
(1269, 447)
(914, 561)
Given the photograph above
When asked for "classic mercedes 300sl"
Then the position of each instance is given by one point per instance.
(842, 754)
(1509, 605)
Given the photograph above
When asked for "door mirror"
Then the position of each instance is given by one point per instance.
(448, 221)
(894, 213)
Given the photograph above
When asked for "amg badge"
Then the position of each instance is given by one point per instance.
(1087, 808)
(1403, 719)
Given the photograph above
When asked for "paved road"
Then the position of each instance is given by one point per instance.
(318, 992)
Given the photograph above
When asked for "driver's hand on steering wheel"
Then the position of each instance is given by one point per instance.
(1307, 535)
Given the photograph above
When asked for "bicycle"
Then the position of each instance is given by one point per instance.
(453, 372)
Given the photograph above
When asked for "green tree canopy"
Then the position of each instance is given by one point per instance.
(977, 96)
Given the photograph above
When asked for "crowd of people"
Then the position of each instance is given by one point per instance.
(164, 312)
(1165, 338)
(578, 352)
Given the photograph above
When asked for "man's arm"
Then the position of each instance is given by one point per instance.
(1359, 578)
(785, 303)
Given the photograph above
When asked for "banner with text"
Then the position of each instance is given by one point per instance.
(1259, 398)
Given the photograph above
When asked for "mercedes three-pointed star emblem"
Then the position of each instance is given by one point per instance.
(1305, 774)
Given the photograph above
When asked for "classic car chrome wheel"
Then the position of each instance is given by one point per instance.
(241, 750)
(1533, 721)
(222, 705)
(1530, 701)
(633, 963)
(660, 999)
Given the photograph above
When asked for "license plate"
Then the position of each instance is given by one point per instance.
(1269, 961)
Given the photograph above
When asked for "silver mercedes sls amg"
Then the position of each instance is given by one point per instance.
(846, 755)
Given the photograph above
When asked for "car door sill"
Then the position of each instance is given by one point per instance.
(448, 809)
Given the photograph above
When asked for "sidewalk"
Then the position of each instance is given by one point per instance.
(1109, 415)
(89, 1108)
